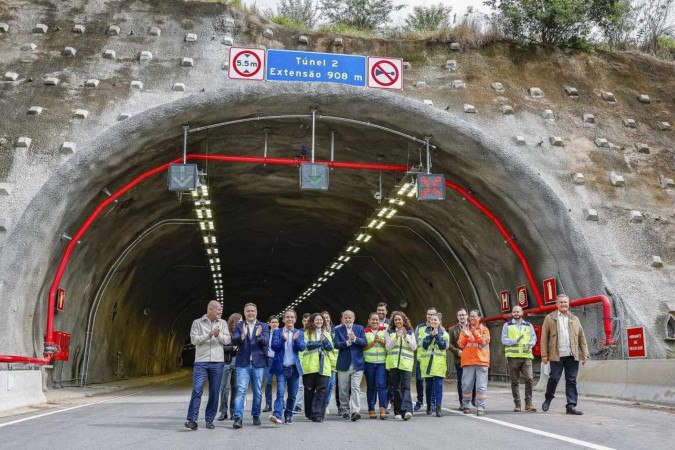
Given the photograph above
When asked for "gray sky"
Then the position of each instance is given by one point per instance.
(458, 6)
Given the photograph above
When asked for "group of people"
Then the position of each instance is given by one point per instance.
(309, 362)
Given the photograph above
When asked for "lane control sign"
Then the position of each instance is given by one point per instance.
(385, 73)
(314, 176)
(430, 187)
(246, 64)
(182, 177)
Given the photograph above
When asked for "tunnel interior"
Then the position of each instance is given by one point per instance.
(140, 275)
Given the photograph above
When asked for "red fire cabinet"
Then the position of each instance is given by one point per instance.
(536, 350)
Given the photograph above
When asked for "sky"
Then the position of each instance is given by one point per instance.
(458, 6)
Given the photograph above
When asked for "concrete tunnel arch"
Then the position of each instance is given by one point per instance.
(467, 155)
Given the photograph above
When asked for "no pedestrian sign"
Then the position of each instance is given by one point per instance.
(246, 64)
(385, 73)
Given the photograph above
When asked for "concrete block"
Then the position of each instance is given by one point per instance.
(79, 29)
(191, 37)
(630, 123)
(536, 92)
(556, 141)
(458, 84)
(20, 388)
(588, 118)
(91, 83)
(407, 65)
(642, 148)
(663, 126)
(4, 224)
(547, 114)
(178, 87)
(506, 109)
(656, 261)
(24, 142)
(608, 97)
(469, 108)
(145, 55)
(228, 40)
(34, 110)
(455, 46)
(497, 86)
(29, 47)
(337, 42)
(154, 31)
(269, 34)
(644, 98)
(666, 183)
(571, 91)
(69, 51)
(4, 28)
(590, 214)
(5, 189)
(429, 102)
(109, 54)
(601, 142)
(229, 22)
(226, 65)
(81, 113)
(578, 178)
(187, 62)
(616, 179)
(136, 84)
(451, 65)
(421, 85)
(123, 116)
(520, 141)
(113, 30)
(40, 28)
(52, 81)
(11, 76)
(634, 216)
(68, 148)
(303, 40)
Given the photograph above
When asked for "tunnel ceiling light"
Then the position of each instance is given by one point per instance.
(382, 212)
(372, 223)
(200, 213)
(380, 224)
(396, 201)
(360, 237)
(391, 213)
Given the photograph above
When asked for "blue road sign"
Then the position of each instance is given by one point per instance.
(284, 65)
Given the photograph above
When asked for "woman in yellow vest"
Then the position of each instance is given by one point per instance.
(374, 355)
(332, 356)
(401, 344)
(435, 343)
(316, 367)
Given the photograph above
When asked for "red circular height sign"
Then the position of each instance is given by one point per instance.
(249, 67)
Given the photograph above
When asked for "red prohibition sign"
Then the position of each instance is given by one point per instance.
(378, 66)
(243, 74)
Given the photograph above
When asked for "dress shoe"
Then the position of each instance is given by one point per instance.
(267, 408)
(237, 423)
(428, 410)
(574, 412)
(517, 408)
(530, 407)
(256, 420)
(210, 425)
(191, 424)
(546, 404)
(439, 411)
(355, 417)
(418, 406)
(222, 417)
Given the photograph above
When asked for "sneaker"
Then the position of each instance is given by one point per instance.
(418, 406)
(210, 426)
(256, 421)
(355, 417)
(267, 408)
(288, 420)
(546, 404)
(237, 423)
(191, 424)
(398, 417)
(466, 410)
(297, 409)
(480, 412)
(222, 417)
(372, 414)
(275, 420)
(407, 416)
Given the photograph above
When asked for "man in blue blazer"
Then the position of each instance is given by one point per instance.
(252, 337)
(286, 343)
(350, 339)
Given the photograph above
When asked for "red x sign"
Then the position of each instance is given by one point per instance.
(430, 187)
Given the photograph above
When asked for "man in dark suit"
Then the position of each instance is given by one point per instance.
(350, 340)
(252, 337)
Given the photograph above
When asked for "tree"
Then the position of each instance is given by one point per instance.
(615, 18)
(429, 18)
(360, 14)
(302, 13)
(654, 22)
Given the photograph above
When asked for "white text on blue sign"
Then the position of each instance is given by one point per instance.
(284, 65)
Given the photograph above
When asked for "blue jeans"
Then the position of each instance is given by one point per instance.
(268, 381)
(376, 382)
(290, 377)
(434, 389)
(203, 370)
(571, 368)
(245, 375)
(329, 388)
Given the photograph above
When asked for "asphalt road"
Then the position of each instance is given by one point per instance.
(152, 418)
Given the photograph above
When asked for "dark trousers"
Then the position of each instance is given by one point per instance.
(459, 371)
(376, 381)
(213, 371)
(400, 381)
(520, 369)
(434, 389)
(315, 395)
(571, 368)
(419, 386)
(267, 382)
(390, 391)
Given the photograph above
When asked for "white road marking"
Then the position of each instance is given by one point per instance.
(534, 431)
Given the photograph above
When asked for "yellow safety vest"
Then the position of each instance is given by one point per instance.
(316, 360)
(521, 349)
(437, 358)
(421, 353)
(377, 353)
(400, 356)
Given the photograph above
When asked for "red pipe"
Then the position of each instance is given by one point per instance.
(25, 359)
(606, 312)
(502, 229)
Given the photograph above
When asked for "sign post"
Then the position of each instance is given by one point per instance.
(636, 342)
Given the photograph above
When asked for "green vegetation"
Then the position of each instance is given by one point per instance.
(359, 14)
(429, 18)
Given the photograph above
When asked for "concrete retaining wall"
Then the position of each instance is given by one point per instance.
(20, 388)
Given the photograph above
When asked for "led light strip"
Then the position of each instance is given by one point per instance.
(375, 222)
(207, 227)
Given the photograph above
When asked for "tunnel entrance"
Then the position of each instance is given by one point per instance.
(273, 239)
